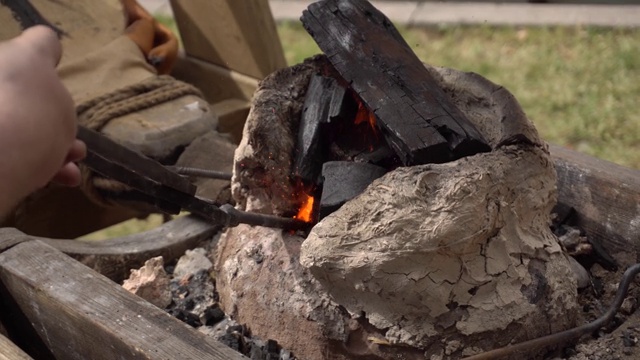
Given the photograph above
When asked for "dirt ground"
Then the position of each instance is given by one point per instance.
(619, 340)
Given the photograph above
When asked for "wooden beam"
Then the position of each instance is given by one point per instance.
(237, 35)
(80, 314)
(216, 82)
(115, 257)
(418, 119)
(232, 114)
(9, 350)
(605, 196)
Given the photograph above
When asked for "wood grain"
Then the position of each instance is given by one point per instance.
(238, 35)
(115, 257)
(232, 115)
(80, 314)
(605, 196)
(9, 351)
(418, 119)
(216, 82)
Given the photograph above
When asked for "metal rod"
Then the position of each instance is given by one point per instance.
(243, 217)
(28, 16)
(570, 334)
(197, 172)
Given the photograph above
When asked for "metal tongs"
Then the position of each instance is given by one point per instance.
(164, 189)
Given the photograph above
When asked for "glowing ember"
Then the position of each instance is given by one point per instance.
(365, 115)
(305, 212)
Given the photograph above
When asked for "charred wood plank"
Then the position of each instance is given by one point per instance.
(324, 101)
(418, 119)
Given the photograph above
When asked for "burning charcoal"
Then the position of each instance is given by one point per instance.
(417, 117)
(193, 297)
(344, 180)
(323, 102)
(381, 156)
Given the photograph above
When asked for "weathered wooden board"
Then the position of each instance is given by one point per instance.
(216, 82)
(79, 314)
(9, 351)
(115, 257)
(238, 35)
(418, 119)
(606, 197)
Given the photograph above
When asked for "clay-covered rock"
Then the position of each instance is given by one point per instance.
(450, 252)
(433, 260)
(150, 282)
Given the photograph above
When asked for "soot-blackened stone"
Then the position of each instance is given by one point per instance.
(212, 315)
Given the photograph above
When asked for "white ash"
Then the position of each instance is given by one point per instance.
(192, 262)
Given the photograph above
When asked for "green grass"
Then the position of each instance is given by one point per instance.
(132, 226)
(580, 86)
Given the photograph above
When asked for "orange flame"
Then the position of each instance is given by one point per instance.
(306, 209)
(364, 115)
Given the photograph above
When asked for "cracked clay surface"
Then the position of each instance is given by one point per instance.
(435, 261)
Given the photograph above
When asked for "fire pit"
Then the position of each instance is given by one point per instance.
(434, 195)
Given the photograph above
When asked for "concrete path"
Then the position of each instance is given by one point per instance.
(419, 13)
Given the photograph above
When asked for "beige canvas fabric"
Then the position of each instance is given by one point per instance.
(104, 70)
(8, 26)
(88, 24)
(97, 58)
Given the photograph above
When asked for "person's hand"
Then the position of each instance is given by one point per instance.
(37, 118)
(156, 41)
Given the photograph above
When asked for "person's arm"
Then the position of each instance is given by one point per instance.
(37, 118)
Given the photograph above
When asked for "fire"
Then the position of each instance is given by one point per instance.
(364, 115)
(305, 213)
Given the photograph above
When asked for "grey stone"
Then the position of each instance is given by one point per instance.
(191, 262)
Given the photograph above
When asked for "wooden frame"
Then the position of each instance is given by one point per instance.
(59, 308)
(605, 198)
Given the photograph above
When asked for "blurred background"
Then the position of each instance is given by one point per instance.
(574, 65)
